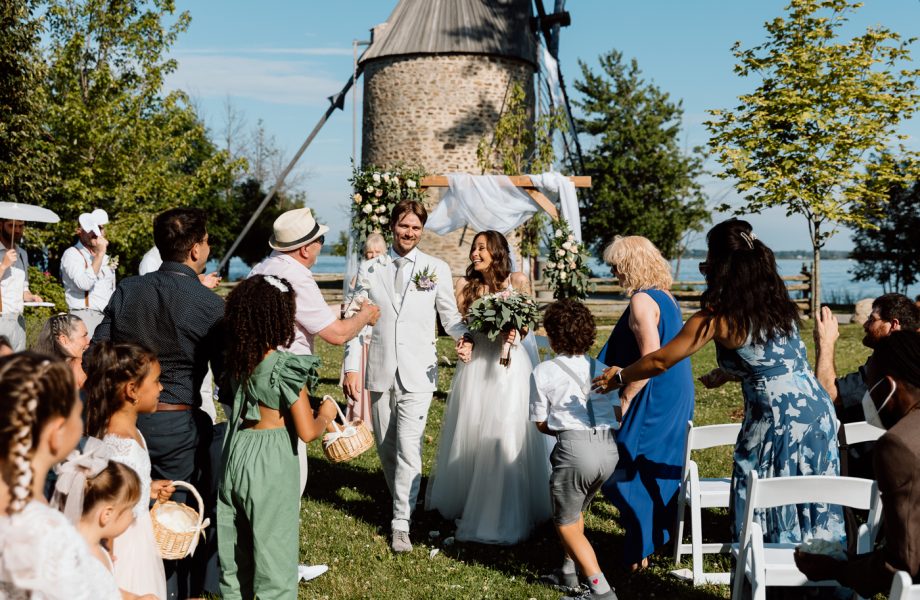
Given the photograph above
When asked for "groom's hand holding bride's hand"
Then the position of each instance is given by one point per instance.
(465, 348)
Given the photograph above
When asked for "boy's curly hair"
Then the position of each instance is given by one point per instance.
(569, 326)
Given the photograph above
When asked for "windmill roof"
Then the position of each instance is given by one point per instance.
(493, 27)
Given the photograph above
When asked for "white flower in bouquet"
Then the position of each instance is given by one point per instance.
(357, 198)
(378, 193)
(374, 218)
(383, 220)
(560, 253)
(572, 265)
(558, 233)
(563, 276)
(367, 209)
(376, 177)
(381, 209)
(410, 183)
(370, 189)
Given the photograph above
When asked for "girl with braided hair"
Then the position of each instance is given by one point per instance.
(789, 426)
(123, 381)
(258, 503)
(64, 336)
(41, 553)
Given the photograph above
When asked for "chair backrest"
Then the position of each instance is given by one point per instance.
(709, 436)
(862, 432)
(903, 588)
(803, 489)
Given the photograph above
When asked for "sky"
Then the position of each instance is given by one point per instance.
(277, 61)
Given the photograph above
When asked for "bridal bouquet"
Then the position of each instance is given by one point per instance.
(494, 314)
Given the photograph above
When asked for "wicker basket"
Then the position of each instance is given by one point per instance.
(349, 440)
(174, 545)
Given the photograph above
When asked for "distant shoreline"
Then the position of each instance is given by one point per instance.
(786, 254)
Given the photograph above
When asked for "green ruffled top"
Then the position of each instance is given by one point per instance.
(276, 382)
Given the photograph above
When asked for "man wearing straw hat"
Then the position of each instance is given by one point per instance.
(87, 272)
(14, 283)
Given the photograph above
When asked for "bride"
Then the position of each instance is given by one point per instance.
(492, 469)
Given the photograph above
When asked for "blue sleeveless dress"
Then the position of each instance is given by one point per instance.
(789, 428)
(651, 440)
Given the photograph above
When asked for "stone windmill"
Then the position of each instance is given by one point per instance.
(435, 79)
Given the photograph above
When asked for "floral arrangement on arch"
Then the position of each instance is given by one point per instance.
(566, 269)
(376, 192)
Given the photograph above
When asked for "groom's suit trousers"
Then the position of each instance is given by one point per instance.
(399, 419)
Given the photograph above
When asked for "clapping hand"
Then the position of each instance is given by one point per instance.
(210, 281)
(716, 378)
(161, 490)
(817, 567)
(827, 329)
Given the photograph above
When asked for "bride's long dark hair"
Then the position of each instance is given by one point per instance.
(479, 283)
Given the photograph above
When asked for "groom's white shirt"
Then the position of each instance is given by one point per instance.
(405, 335)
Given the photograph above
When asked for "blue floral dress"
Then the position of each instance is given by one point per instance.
(789, 428)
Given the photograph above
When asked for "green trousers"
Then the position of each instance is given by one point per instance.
(258, 516)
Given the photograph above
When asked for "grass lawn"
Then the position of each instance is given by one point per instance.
(345, 515)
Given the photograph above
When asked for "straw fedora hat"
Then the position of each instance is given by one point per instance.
(295, 228)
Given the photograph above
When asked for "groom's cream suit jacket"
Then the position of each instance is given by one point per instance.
(405, 334)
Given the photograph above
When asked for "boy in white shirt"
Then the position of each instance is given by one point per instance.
(583, 423)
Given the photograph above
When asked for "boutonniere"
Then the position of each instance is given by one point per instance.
(425, 280)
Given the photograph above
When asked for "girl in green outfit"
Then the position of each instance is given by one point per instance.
(258, 504)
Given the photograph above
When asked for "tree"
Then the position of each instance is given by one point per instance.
(806, 138)
(248, 195)
(642, 183)
(889, 252)
(121, 143)
(25, 155)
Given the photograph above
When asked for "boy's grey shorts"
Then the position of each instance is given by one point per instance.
(582, 461)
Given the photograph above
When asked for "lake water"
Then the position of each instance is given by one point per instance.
(836, 281)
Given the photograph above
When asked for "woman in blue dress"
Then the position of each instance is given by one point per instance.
(789, 427)
(655, 411)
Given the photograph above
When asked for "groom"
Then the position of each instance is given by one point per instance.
(402, 365)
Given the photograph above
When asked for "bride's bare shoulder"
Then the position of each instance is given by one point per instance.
(460, 283)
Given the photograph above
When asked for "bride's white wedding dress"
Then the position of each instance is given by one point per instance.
(492, 470)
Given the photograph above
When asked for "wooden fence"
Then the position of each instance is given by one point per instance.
(607, 299)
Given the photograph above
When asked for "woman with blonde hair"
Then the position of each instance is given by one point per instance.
(656, 410)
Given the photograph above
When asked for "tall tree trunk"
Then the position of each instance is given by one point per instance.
(815, 303)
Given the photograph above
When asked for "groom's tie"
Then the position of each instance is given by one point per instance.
(400, 281)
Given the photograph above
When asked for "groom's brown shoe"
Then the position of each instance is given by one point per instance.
(400, 543)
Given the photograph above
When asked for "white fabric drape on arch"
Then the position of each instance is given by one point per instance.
(560, 190)
(481, 202)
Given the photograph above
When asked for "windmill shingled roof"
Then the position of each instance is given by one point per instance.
(495, 27)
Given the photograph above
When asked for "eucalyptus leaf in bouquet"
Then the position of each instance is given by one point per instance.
(500, 312)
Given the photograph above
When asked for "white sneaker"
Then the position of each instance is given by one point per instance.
(308, 572)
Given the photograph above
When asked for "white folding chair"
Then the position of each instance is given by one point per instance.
(772, 564)
(903, 588)
(698, 494)
(861, 431)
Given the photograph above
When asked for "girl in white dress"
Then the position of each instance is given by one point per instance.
(98, 495)
(492, 470)
(42, 556)
(123, 380)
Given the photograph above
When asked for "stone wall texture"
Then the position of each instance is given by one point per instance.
(432, 111)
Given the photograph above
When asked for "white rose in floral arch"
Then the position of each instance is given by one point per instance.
(386, 177)
(357, 198)
(368, 209)
(410, 183)
(376, 177)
